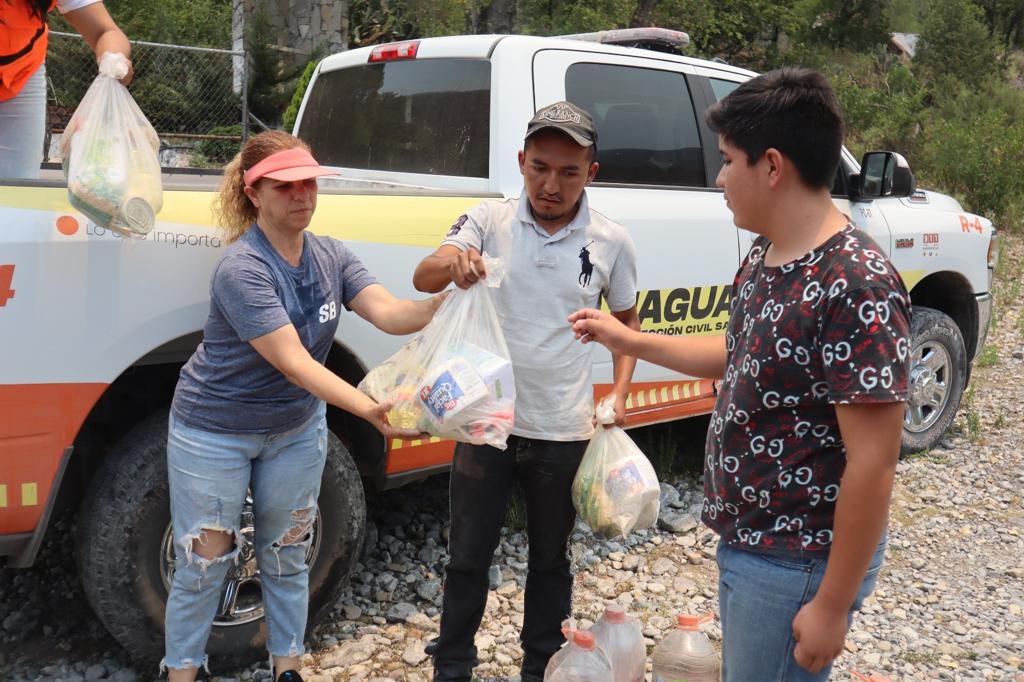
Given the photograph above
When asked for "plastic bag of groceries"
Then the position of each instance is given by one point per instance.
(454, 378)
(110, 155)
(615, 490)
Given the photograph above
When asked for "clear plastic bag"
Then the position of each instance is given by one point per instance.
(616, 490)
(110, 155)
(454, 378)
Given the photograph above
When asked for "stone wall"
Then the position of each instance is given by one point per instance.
(302, 26)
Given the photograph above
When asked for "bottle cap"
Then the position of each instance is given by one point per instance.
(584, 640)
(615, 613)
(688, 621)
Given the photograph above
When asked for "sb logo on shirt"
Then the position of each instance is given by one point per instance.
(328, 311)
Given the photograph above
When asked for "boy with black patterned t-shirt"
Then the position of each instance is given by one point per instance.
(804, 440)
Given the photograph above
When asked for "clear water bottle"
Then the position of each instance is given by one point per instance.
(579, 661)
(686, 654)
(620, 637)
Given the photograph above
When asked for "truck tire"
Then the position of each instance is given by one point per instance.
(938, 377)
(125, 556)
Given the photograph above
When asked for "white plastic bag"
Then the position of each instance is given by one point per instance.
(454, 378)
(110, 155)
(616, 490)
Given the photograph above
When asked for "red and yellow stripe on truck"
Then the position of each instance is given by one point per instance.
(647, 403)
(39, 422)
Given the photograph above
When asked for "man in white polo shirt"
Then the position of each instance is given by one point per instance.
(560, 256)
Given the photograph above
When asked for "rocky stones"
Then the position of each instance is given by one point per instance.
(676, 522)
(414, 653)
(349, 653)
(400, 612)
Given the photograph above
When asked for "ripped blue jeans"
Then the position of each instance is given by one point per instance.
(209, 474)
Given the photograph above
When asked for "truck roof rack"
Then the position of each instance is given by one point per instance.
(649, 38)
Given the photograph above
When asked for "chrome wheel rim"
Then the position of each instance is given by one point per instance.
(241, 596)
(931, 371)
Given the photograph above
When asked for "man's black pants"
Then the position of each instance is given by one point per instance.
(482, 480)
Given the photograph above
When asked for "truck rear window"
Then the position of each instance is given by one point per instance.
(418, 116)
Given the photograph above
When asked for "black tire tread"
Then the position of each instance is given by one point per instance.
(935, 324)
(103, 536)
(130, 480)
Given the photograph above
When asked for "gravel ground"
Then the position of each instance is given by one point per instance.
(948, 604)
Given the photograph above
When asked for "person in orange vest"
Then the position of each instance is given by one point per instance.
(23, 41)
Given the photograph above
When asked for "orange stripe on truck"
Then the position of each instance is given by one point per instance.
(37, 422)
(649, 402)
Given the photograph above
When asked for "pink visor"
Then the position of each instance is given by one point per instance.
(288, 166)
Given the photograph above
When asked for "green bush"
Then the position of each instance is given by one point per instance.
(218, 152)
(961, 137)
(292, 112)
(977, 156)
(956, 43)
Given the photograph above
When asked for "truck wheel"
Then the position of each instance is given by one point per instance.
(938, 376)
(126, 557)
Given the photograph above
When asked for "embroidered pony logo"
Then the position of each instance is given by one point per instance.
(586, 267)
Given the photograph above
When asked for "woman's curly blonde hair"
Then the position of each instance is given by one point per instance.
(234, 211)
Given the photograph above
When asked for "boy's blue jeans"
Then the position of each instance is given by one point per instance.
(759, 595)
(209, 474)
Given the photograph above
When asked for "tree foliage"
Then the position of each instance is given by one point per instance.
(202, 23)
(955, 43)
(956, 111)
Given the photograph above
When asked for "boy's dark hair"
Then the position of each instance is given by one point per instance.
(792, 110)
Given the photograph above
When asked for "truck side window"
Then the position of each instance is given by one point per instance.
(421, 116)
(646, 127)
(722, 88)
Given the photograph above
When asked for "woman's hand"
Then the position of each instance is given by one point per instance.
(99, 30)
(438, 299)
(130, 75)
(377, 415)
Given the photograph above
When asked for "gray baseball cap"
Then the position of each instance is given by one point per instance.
(569, 119)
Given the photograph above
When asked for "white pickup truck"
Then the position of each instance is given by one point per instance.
(94, 328)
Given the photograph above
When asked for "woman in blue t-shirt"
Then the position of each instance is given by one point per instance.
(248, 411)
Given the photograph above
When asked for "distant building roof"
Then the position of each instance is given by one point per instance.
(904, 42)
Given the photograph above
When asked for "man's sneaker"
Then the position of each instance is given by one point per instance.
(289, 676)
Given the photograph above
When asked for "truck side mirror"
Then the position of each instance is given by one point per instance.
(885, 174)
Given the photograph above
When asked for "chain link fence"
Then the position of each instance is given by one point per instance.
(193, 96)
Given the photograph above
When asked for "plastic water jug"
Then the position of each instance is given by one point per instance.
(686, 654)
(619, 636)
(579, 661)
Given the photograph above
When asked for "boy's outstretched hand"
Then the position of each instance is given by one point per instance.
(820, 633)
(593, 325)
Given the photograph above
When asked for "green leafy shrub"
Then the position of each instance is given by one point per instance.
(292, 112)
(218, 152)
